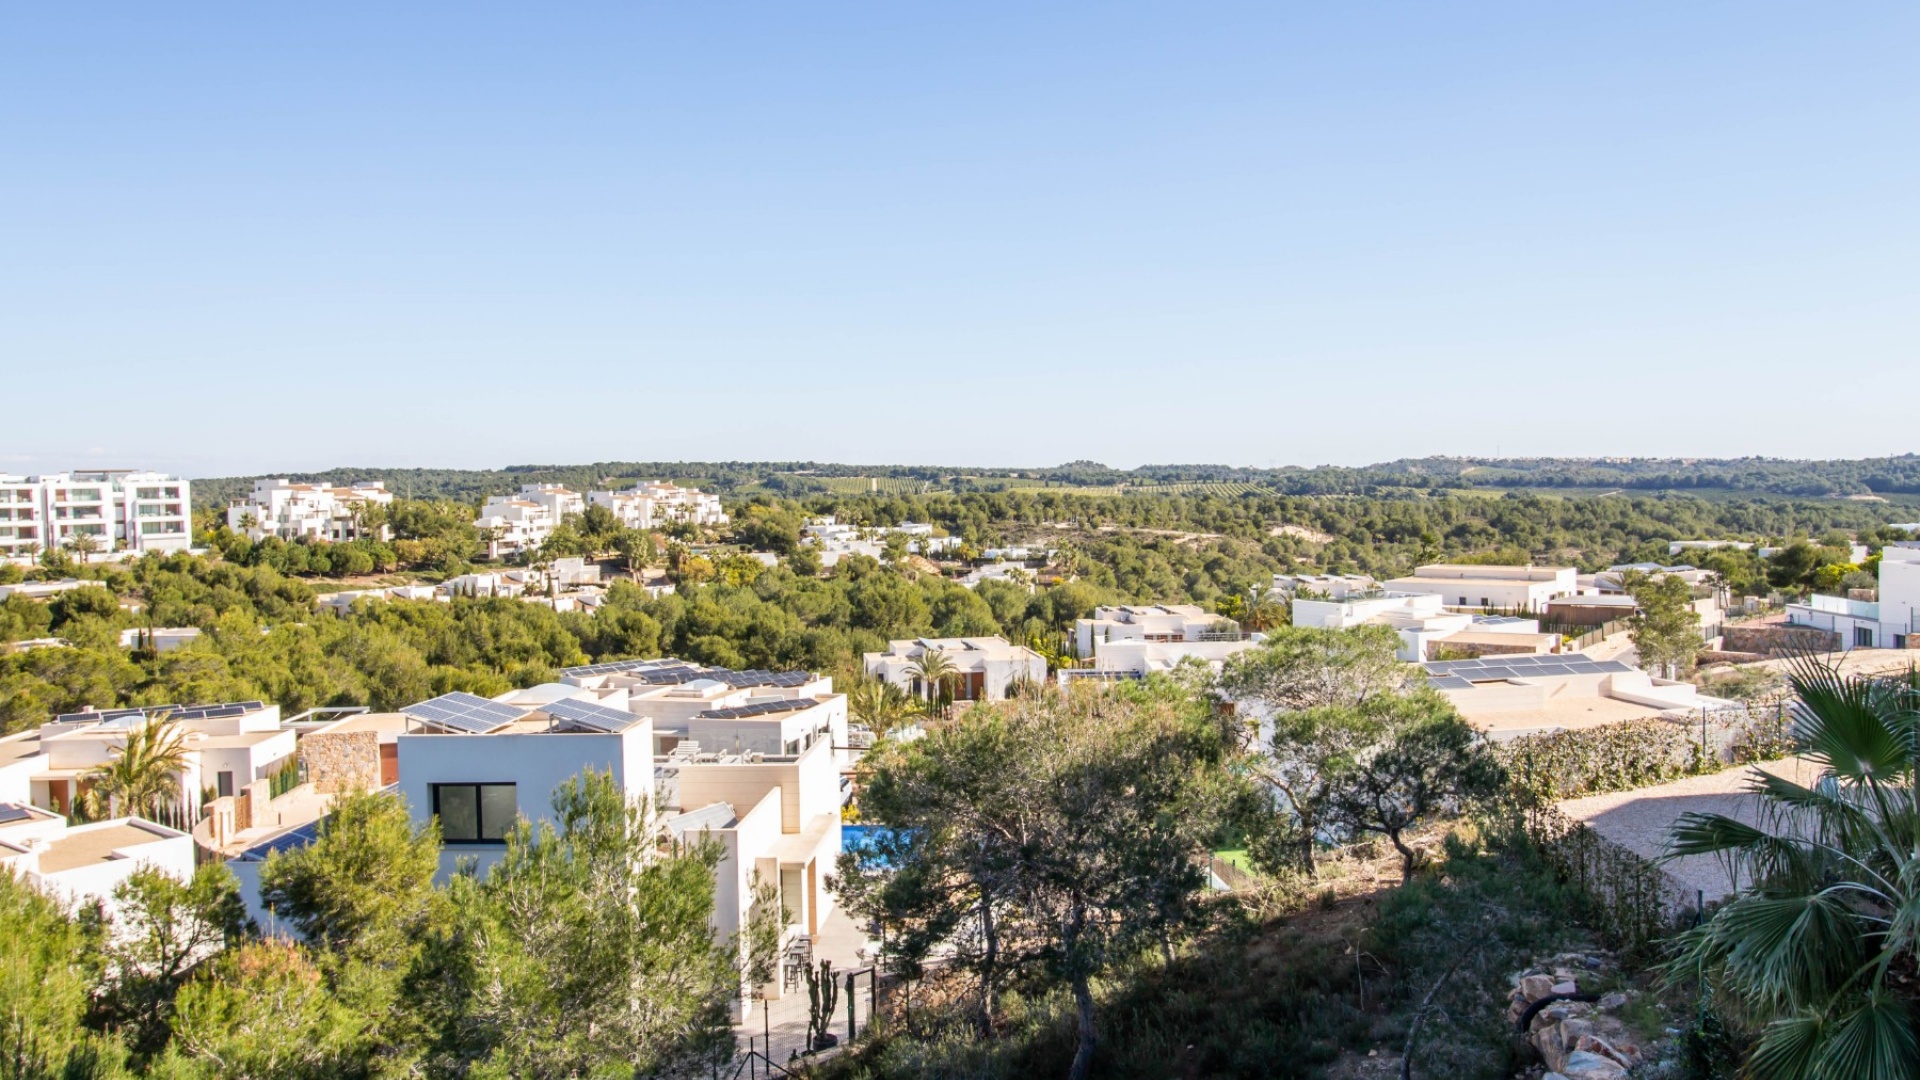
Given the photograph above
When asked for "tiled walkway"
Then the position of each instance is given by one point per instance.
(779, 1028)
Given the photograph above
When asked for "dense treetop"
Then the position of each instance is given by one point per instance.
(1776, 476)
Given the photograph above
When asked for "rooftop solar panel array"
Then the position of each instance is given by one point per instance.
(575, 714)
(1517, 666)
(759, 677)
(214, 712)
(622, 666)
(468, 714)
(286, 841)
(675, 672)
(758, 708)
(177, 712)
(12, 812)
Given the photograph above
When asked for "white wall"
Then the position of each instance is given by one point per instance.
(1899, 593)
(537, 763)
(16, 779)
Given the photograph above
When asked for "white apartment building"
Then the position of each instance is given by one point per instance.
(229, 746)
(1510, 588)
(80, 864)
(123, 510)
(1890, 622)
(523, 521)
(291, 511)
(984, 667)
(835, 540)
(652, 504)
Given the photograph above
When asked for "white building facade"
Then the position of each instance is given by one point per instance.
(121, 510)
(1890, 622)
(1493, 588)
(228, 746)
(748, 760)
(302, 511)
(81, 864)
(985, 668)
(652, 504)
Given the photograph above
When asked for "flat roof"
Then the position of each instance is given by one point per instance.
(85, 846)
(20, 749)
(1418, 579)
(1569, 713)
(383, 722)
(230, 742)
(1519, 666)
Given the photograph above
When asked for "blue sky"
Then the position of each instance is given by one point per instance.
(250, 238)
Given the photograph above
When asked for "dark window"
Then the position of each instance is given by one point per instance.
(475, 813)
(1863, 637)
(223, 783)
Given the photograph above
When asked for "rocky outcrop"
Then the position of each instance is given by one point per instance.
(1578, 1040)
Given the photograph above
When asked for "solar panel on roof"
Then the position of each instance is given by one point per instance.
(10, 812)
(1496, 673)
(1450, 682)
(592, 716)
(464, 712)
(758, 708)
(286, 841)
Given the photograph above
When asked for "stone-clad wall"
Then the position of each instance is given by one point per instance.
(342, 760)
(1776, 640)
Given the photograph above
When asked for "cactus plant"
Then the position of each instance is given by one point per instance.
(823, 994)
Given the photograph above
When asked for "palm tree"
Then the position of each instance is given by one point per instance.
(1265, 610)
(1821, 944)
(143, 776)
(490, 535)
(83, 544)
(934, 669)
(878, 704)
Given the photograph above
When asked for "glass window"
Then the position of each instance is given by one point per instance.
(458, 807)
(499, 809)
(475, 813)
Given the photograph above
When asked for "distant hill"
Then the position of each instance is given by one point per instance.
(1888, 476)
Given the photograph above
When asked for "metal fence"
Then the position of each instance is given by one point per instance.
(782, 1044)
(1596, 635)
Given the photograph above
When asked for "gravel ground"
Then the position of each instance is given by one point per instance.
(1639, 820)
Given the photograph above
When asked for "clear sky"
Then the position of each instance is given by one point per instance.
(245, 238)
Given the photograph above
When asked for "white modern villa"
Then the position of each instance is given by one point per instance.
(1890, 622)
(984, 668)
